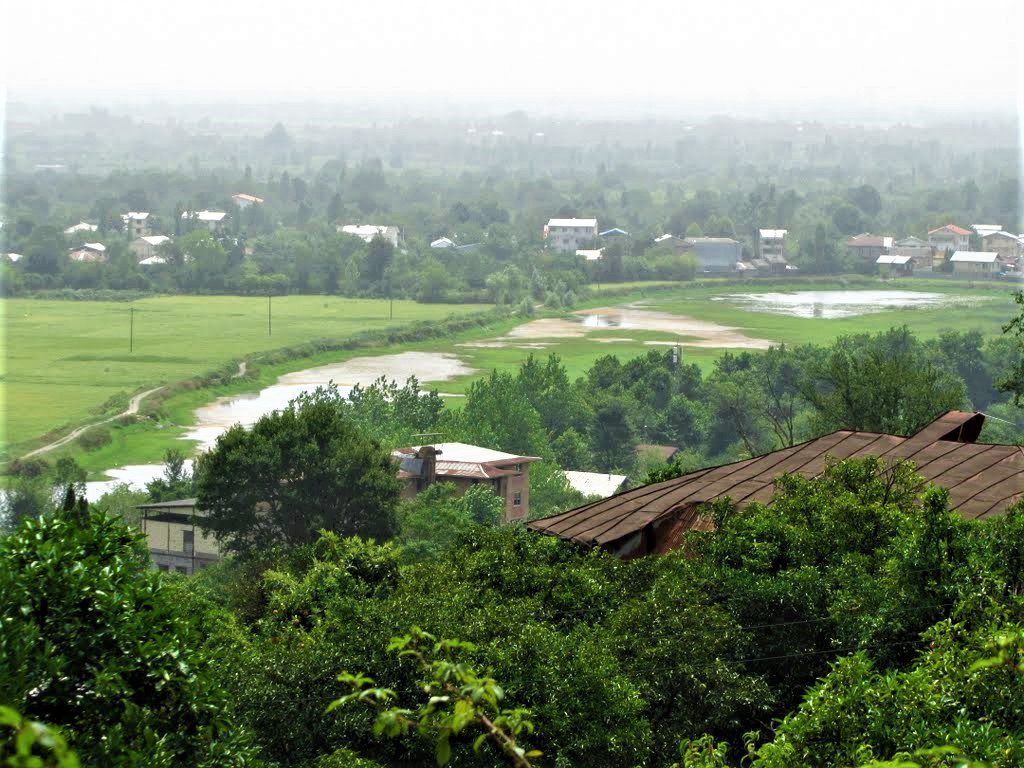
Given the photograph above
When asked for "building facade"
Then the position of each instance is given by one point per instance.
(175, 540)
(146, 247)
(1006, 244)
(866, 248)
(137, 224)
(570, 234)
(977, 263)
(506, 474)
(949, 239)
(715, 254)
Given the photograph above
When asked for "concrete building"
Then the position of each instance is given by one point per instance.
(137, 224)
(986, 229)
(676, 244)
(570, 234)
(175, 541)
(1006, 244)
(977, 263)
(465, 465)
(367, 232)
(921, 252)
(212, 220)
(146, 247)
(715, 254)
(949, 238)
(866, 247)
(590, 254)
(771, 242)
(243, 200)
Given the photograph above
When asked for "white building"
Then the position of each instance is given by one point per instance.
(367, 232)
(772, 242)
(590, 254)
(570, 234)
(137, 224)
(89, 253)
(82, 226)
(592, 484)
(212, 220)
(443, 242)
(986, 229)
(146, 247)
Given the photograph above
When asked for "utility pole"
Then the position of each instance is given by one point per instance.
(131, 329)
(269, 328)
(391, 311)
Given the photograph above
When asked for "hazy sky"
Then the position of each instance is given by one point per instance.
(559, 54)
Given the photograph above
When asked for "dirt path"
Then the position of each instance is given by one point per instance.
(133, 408)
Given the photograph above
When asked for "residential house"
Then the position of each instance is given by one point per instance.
(949, 238)
(921, 252)
(95, 253)
(866, 247)
(212, 220)
(367, 232)
(443, 242)
(570, 234)
(986, 229)
(14, 258)
(771, 242)
(175, 541)
(613, 232)
(715, 254)
(146, 247)
(1006, 244)
(137, 224)
(976, 263)
(82, 226)
(895, 265)
(598, 484)
(590, 254)
(983, 481)
(677, 244)
(465, 465)
(153, 261)
(243, 200)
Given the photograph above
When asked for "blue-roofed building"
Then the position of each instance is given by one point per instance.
(613, 232)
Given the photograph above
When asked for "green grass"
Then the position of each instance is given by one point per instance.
(64, 360)
(90, 370)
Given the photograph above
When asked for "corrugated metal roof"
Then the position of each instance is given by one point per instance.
(951, 228)
(885, 259)
(975, 257)
(772, 234)
(983, 480)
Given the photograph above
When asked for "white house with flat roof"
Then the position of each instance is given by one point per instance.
(570, 234)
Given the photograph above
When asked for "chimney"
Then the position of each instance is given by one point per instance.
(429, 472)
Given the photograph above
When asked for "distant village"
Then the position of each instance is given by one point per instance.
(982, 250)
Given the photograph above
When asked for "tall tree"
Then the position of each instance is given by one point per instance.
(300, 470)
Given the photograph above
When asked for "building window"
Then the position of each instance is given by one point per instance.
(181, 569)
(519, 467)
(188, 541)
(517, 498)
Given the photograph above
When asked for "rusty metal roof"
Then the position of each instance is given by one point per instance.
(983, 480)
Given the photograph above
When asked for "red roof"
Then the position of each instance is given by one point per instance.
(983, 480)
(950, 228)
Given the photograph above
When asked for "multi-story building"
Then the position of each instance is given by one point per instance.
(570, 234)
(771, 242)
(212, 220)
(146, 247)
(949, 238)
(867, 247)
(137, 224)
(175, 540)
(1006, 244)
(465, 465)
(921, 253)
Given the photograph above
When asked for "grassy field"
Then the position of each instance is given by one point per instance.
(297, 319)
(64, 360)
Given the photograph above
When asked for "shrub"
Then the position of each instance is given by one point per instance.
(94, 437)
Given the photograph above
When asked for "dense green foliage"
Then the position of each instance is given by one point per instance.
(92, 642)
(297, 471)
